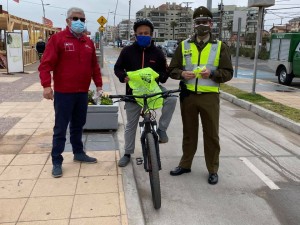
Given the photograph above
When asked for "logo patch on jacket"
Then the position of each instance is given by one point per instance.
(87, 46)
(152, 61)
(69, 47)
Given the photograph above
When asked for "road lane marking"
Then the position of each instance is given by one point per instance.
(260, 174)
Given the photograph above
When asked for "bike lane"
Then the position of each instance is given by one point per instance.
(259, 173)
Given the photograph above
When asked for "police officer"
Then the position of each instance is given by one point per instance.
(201, 63)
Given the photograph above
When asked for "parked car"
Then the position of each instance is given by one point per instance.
(169, 47)
(285, 56)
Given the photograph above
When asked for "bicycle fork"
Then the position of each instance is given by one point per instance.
(143, 131)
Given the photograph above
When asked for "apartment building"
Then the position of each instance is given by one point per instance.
(171, 21)
(122, 29)
(229, 20)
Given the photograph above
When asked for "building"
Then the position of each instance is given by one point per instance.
(109, 30)
(229, 21)
(295, 24)
(285, 28)
(122, 30)
(171, 21)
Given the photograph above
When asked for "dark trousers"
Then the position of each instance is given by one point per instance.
(70, 108)
(208, 106)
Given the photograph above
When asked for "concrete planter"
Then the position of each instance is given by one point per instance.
(102, 117)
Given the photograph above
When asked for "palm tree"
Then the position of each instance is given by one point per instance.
(173, 24)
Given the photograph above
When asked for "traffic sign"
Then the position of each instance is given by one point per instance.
(101, 20)
(101, 28)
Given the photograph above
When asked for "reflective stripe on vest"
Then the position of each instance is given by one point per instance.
(209, 57)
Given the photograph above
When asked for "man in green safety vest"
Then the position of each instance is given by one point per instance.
(201, 63)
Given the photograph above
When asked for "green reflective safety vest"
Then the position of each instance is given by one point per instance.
(209, 58)
(143, 82)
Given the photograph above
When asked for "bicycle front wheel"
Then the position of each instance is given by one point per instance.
(153, 171)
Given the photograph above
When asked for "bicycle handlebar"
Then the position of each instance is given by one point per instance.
(145, 96)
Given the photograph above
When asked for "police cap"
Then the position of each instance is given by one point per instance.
(202, 13)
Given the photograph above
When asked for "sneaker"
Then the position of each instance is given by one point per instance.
(163, 137)
(84, 158)
(56, 171)
(124, 161)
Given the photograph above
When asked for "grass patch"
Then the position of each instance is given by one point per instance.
(286, 111)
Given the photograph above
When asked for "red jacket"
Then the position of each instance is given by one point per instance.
(73, 62)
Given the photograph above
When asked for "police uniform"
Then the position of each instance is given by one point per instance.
(200, 96)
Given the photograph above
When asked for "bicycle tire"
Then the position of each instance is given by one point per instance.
(153, 171)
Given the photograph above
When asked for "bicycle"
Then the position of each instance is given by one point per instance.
(149, 141)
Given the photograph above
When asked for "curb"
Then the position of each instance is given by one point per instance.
(262, 112)
(134, 210)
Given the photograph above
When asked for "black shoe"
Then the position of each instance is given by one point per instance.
(84, 158)
(178, 171)
(56, 171)
(213, 178)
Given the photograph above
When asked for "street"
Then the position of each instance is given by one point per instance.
(259, 171)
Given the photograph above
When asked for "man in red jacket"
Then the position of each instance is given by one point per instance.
(72, 58)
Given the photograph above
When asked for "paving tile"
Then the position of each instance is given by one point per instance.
(124, 219)
(46, 125)
(40, 140)
(16, 188)
(55, 187)
(115, 220)
(10, 209)
(21, 172)
(96, 185)
(30, 159)
(47, 208)
(103, 156)
(96, 205)
(27, 125)
(48, 222)
(6, 159)
(20, 131)
(10, 149)
(43, 132)
(68, 158)
(2, 168)
(98, 169)
(120, 183)
(16, 140)
(32, 120)
(69, 170)
(122, 203)
(11, 114)
(37, 148)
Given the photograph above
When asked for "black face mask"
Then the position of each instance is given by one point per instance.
(202, 30)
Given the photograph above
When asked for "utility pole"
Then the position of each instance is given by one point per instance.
(129, 21)
(186, 17)
(208, 4)
(221, 9)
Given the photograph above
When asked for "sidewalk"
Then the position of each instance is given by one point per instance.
(86, 194)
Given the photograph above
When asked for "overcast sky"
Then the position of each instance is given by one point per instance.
(55, 10)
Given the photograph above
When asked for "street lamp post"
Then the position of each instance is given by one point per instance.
(114, 35)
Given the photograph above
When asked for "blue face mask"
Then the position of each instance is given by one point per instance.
(143, 41)
(77, 26)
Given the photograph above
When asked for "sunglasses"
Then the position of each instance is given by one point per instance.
(75, 18)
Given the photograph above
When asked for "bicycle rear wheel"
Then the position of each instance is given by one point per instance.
(153, 171)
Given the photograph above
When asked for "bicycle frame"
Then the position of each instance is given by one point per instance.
(148, 125)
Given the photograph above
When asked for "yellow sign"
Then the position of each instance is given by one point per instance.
(102, 20)
(101, 28)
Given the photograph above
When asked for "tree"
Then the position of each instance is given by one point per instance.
(173, 24)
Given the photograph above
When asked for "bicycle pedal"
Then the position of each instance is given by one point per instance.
(139, 161)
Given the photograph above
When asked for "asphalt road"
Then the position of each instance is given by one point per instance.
(259, 173)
